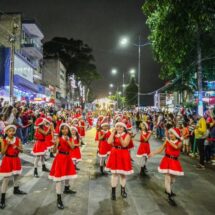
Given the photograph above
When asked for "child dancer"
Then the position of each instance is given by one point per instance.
(75, 152)
(144, 147)
(119, 161)
(170, 165)
(104, 147)
(40, 146)
(11, 163)
(63, 168)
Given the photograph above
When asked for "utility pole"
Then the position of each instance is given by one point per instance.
(12, 40)
(139, 71)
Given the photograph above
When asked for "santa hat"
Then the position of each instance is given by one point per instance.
(105, 122)
(129, 126)
(176, 132)
(146, 125)
(48, 119)
(75, 120)
(120, 124)
(64, 124)
(118, 118)
(74, 128)
(8, 127)
(39, 121)
(42, 115)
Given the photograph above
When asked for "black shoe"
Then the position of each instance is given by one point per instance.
(36, 173)
(123, 193)
(59, 202)
(76, 168)
(171, 201)
(142, 171)
(17, 191)
(172, 194)
(145, 169)
(102, 170)
(51, 155)
(44, 169)
(68, 191)
(113, 194)
(2, 203)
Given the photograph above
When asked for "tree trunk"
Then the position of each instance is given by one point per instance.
(199, 76)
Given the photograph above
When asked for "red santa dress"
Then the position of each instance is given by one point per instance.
(62, 166)
(119, 160)
(11, 163)
(170, 163)
(104, 147)
(144, 147)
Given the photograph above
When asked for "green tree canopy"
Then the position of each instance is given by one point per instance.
(76, 56)
(131, 92)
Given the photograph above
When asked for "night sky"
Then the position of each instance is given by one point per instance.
(100, 24)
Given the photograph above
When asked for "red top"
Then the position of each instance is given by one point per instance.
(39, 136)
(64, 145)
(142, 136)
(117, 141)
(106, 135)
(49, 136)
(10, 149)
(172, 151)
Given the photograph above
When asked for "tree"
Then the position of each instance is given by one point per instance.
(76, 56)
(182, 35)
(131, 92)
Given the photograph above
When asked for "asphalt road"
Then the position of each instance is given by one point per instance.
(195, 191)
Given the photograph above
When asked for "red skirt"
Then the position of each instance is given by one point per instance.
(170, 166)
(75, 154)
(143, 150)
(104, 149)
(131, 145)
(49, 144)
(62, 168)
(10, 166)
(40, 148)
(119, 162)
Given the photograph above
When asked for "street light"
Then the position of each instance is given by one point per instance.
(124, 42)
(114, 71)
(111, 85)
(132, 72)
(120, 93)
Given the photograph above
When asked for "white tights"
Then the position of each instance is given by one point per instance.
(5, 182)
(59, 185)
(101, 161)
(114, 180)
(37, 159)
(143, 161)
(169, 181)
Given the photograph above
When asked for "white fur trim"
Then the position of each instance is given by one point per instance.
(120, 124)
(123, 172)
(143, 155)
(38, 153)
(104, 124)
(8, 127)
(102, 156)
(6, 174)
(169, 171)
(172, 130)
(62, 178)
(64, 124)
(74, 128)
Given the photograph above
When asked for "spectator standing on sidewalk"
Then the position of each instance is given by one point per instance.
(200, 132)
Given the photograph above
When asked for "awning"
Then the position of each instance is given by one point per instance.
(24, 83)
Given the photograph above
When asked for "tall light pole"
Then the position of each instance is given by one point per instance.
(124, 42)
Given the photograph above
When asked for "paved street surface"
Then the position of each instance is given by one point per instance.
(195, 191)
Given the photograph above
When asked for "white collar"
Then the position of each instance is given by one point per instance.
(11, 141)
(120, 135)
(173, 141)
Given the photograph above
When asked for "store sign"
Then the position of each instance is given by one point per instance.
(23, 69)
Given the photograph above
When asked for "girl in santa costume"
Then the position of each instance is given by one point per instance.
(144, 147)
(119, 161)
(104, 147)
(40, 146)
(11, 163)
(98, 128)
(49, 137)
(63, 169)
(170, 164)
(75, 153)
